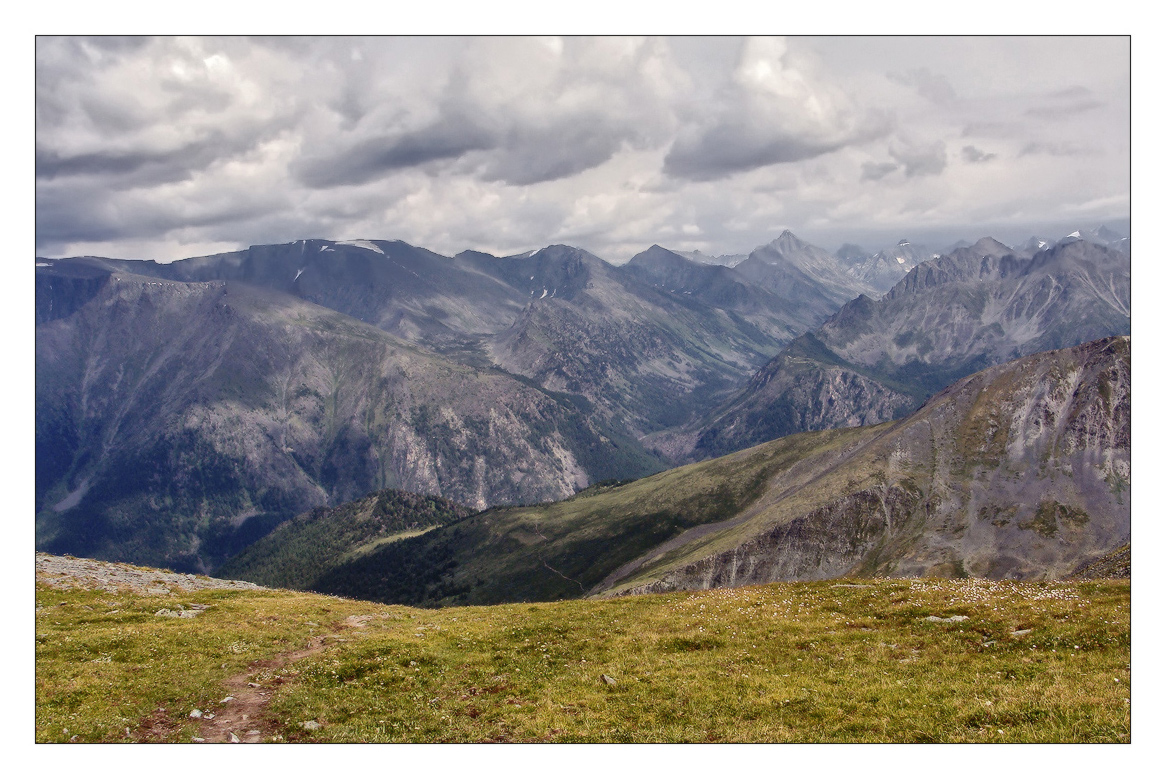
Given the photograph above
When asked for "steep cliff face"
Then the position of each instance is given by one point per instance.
(62, 289)
(876, 360)
(1019, 471)
(172, 414)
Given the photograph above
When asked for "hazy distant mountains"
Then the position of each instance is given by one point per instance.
(184, 409)
(877, 359)
(851, 269)
(645, 355)
(884, 269)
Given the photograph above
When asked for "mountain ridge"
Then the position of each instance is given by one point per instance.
(875, 360)
(1018, 471)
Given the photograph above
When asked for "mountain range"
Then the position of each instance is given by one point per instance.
(1018, 471)
(875, 360)
(184, 410)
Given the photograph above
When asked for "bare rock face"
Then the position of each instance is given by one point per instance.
(796, 393)
(1019, 471)
(644, 350)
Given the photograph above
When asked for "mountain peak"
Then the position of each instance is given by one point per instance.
(786, 242)
(989, 245)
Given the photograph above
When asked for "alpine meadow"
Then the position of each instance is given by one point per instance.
(583, 390)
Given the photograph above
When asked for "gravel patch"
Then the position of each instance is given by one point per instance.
(70, 573)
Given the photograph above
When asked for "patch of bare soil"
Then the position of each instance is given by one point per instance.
(241, 717)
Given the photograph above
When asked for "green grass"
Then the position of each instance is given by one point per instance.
(300, 550)
(791, 662)
(562, 550)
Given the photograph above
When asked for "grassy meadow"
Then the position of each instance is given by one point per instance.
(833, 661)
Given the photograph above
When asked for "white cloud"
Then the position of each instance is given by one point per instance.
(506, 144)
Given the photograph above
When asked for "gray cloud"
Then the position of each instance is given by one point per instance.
(1066, 102)
(534, 155)
(723, 150)
(874, 171)
(506, 144)
(972, 154)
(990, 129)
(931, 85)
(137, 167)
(1056, 149)
(920, 159)
(374, 158)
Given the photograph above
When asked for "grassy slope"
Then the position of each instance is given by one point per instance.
(297, 552)
(564, 549)
(800, 662)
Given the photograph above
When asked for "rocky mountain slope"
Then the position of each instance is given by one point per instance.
(801, 272)
(886, 268)
(724, 288)
(1019, 471)
(405, 290)
(877, 359)
(178, 421)
(645, 357)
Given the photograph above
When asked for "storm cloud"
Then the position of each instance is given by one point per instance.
(172, 147)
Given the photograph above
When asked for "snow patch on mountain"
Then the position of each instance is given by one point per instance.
(372, 247)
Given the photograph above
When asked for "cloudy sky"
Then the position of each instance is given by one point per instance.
(174, 147)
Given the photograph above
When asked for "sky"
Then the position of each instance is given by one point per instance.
(172, 147)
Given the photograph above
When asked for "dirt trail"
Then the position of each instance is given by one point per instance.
(244, 715)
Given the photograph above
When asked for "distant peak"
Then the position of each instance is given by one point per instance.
(989, 245)
(787, 239)
(904, 242)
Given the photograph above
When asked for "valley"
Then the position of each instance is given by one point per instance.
(1018, 472)
(186, 411)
